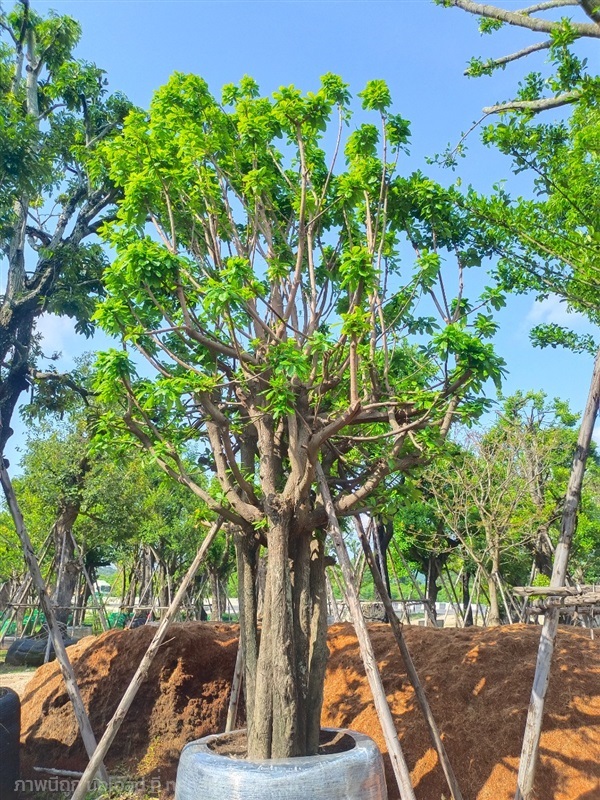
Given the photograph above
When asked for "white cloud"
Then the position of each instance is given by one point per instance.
(554, 310)
(58, 336)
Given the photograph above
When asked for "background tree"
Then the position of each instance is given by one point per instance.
(55, 111)
(272, 294)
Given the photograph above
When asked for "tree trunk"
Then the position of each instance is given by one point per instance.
(466, 594)
(382, 537)
(494, 614)
(432, 589)
(544, 552)
(69, 568)
(284, 707)
(215, 594)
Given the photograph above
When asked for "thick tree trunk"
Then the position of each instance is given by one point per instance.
(284, 705)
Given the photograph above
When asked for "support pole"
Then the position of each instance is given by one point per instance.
(533, 728)
(113, 726)
(381, 705)
(236, 689)
(87, 734)
(409, 664)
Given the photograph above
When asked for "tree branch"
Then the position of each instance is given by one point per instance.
(547, 6)
(535, 106)
(523, 20)
(500, 62)
(591, 8)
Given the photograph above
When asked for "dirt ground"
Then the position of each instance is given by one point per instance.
(15, 678)
(478, 683)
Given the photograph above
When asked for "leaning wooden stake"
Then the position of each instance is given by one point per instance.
(236, 689)
(409, 663)
(113, 726)
(381, 705)
(533, 728)
(87, 734)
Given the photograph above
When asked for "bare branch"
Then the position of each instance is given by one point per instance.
(524, 20)
(526, 51)
(535, 106)
(547, 6)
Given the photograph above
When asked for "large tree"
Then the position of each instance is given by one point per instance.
(273, 290)
(54, 111)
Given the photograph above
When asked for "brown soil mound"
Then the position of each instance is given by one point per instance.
(478, 683)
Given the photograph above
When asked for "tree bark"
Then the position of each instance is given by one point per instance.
(69, 566)
(466, 596)
(432, 589)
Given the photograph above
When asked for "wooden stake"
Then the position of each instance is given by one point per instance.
(87, 734)
(236, 688)
(533, 728)
(409, 664)
(381, 705)
(117, 719)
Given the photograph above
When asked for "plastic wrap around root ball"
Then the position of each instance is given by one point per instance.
(355, 774)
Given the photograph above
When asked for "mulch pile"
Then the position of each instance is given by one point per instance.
(478, 682)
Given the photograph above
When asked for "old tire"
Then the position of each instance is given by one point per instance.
(10, 734)
(32, 652)
(355, 774)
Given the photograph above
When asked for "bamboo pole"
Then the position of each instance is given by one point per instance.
(533, 728)
(381, 705)
(117, 719)
(83, 722)
(411, 670)
(236, 689)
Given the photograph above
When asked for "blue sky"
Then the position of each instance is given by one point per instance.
(419, 48)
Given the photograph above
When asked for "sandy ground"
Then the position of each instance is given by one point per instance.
(16, 678)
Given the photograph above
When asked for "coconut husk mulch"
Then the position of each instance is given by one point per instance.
(478, 682)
